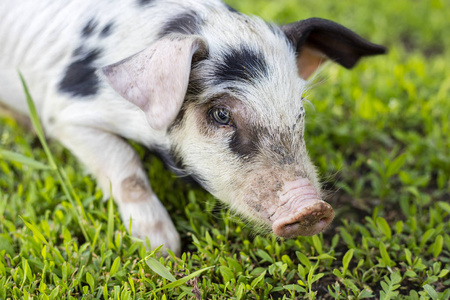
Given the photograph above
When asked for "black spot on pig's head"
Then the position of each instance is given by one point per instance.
(185, 23)
(241, 64)
(228, 117)
(80, 79)
(244, 142)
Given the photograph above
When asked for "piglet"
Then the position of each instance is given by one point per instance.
(216, 93)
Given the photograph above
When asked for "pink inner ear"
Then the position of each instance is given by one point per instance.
(123, 79)
(308, 61)
(156, 78)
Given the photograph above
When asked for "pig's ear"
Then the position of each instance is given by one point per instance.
(156, 79)
(317, 40)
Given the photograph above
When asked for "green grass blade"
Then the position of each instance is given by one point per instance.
(110, 224)
(430, 291)
(384, 227)
(62, 177)
(182, 280)
(346, 260)
(115, 267)
(158, 268)
(35, 231)
(384, 255)
(23, 160)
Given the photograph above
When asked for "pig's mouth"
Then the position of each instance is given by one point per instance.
(302, 212)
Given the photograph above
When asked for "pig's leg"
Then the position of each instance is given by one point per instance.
(118, 169)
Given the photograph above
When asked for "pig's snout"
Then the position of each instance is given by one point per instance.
(306, 220)
(302, 212)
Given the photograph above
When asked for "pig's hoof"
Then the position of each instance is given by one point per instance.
(150, 219)
(159, 233)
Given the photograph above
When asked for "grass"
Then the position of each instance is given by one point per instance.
(380, 136)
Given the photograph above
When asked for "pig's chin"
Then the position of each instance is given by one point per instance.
(301, 211)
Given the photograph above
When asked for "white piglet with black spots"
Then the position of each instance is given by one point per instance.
(216, 93)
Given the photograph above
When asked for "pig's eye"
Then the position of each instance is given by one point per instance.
(220, 115)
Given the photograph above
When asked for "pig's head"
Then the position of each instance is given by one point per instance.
(230, 99)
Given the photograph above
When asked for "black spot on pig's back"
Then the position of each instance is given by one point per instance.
(107, 30)
(89, 28)
(144, 2)
(185, 23)
(79, 79)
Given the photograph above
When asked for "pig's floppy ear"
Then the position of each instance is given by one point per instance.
(316, 40)
(156, 79)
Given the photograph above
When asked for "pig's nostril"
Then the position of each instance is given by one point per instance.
(308, 221)
(290, 227)
(315, 225)
(325, 220)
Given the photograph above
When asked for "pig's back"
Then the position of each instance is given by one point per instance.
(58, 44)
